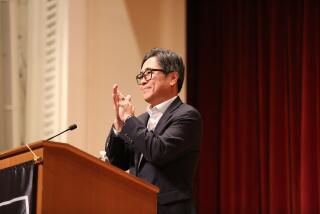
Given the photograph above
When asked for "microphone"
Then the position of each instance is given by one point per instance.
(71, 127)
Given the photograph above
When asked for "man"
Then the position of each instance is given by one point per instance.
(162, 145)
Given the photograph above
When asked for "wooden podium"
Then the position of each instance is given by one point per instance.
(72, 181)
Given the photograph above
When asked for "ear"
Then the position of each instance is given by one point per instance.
(174, 76)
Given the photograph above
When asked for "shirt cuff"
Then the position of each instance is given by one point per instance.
(116, 133)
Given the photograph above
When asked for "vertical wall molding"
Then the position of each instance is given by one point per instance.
(46, 100)
(11, 106)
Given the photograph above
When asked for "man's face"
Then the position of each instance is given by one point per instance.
(157, 88)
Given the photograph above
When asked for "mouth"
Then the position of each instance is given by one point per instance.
(145, 88)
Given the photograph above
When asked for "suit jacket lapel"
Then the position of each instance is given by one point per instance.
(161, 124)
(143, 118)
(167, 114)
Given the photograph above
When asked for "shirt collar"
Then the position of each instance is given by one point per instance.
(162, 107)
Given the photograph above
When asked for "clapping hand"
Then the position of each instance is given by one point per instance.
(122, 106)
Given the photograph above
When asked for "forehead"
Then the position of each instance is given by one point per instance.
(152, 62)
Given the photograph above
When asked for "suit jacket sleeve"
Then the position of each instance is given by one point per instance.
(119, 152)
(178, 135)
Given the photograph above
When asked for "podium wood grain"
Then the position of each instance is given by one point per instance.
(72, 181)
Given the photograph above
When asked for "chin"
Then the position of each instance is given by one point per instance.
(147, 98)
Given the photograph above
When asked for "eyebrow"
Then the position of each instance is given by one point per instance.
(146, 69)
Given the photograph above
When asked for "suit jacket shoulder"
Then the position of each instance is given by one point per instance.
(178, 130)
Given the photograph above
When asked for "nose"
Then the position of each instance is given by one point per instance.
(143, 81)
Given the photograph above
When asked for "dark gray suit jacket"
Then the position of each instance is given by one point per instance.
(170, 153)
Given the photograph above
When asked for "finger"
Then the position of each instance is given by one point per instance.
(117, 95)
(115, 86)
(128, 97)
(115, 89)
(120, 96)
(114, 93)
(124, 101)
(115, 100)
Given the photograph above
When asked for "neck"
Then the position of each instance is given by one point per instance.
(161, 100)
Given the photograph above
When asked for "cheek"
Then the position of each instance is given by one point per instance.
(154, 87)
(152, 84)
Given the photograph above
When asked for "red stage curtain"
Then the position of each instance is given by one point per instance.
(254, 74)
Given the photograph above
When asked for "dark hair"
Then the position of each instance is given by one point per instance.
(169, 62)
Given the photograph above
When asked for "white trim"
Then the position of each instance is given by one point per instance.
(64, 65)
(48, 69)
(22, 198)
(13, 105)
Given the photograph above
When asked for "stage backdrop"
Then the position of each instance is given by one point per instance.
(254, 74)
(18, 189)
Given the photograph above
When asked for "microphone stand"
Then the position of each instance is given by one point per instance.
(73, 126)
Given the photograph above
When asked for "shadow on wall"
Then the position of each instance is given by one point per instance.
(145, 14)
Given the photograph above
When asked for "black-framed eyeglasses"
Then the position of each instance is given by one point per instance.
(147, 75)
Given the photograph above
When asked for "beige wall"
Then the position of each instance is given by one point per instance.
(108, 39)
(2, 125)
